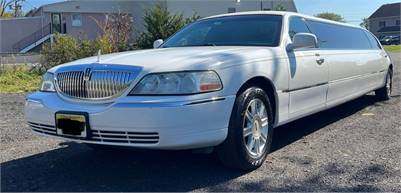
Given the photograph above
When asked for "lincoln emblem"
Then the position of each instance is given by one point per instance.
(87, 74)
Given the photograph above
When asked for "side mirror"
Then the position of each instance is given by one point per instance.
(157, 43)
(303, 40)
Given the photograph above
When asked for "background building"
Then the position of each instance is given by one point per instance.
(386, 20)
(80, 18)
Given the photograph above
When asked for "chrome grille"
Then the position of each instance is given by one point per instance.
(42, 128)
(96, 84)
(116, 137)
(125, 137)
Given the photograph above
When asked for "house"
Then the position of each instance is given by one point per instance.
(386, 20)
(80, 18)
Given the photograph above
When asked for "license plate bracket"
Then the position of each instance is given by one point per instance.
(72, 124)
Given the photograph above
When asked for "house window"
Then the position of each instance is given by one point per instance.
(76, 20)
(382, 24)
(232, 10)
(397, 22)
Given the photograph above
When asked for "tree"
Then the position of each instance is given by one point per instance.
(3, 5)
(365, 23)
(14, 5)
(7, 15)
(161, 24)
(117, 30)
(331, 16)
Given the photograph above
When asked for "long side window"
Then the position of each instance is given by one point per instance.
(373, 41)
(333, 36)
(297, 25)
(321, 33)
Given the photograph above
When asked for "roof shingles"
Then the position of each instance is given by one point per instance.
(387, 10)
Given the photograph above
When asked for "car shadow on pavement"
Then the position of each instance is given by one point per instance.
(75, 167)
(294, 131)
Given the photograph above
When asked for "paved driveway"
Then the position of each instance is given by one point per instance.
(353, 147)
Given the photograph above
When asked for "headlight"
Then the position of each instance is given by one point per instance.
(48, 83)
(178, 83)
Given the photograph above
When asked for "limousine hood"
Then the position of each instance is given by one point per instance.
(184, 58)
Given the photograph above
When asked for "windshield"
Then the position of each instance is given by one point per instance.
(244, 30)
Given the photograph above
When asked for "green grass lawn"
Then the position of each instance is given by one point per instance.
(393, 48)
(21, 78)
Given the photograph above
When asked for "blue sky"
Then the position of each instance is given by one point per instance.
(352, 10)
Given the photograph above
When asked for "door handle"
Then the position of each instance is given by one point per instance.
(320, 61)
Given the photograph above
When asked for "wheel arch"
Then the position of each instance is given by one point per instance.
(267, 86)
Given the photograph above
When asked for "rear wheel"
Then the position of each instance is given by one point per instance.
(250, 131)
(384, 93)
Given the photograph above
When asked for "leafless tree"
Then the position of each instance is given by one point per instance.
(117, 28)
(14, 5)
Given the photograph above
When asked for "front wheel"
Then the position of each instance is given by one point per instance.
(384, 93)
(250, 131)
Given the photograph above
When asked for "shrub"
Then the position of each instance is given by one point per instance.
(161, 24)
(103, 44)
(64, 49)
(116, 33)
(86, 49)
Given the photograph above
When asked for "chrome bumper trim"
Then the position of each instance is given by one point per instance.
(168, 104)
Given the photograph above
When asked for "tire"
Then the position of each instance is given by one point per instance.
(236, 151)
(384, 93)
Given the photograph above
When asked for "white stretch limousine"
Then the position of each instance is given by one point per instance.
(225, 81)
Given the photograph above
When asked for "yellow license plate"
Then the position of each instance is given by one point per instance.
(72, 124)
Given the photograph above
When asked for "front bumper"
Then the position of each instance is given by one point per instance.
(172, 124)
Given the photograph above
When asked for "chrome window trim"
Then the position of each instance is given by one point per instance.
(168, 104)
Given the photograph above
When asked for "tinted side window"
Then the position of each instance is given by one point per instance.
(373, 41)
(323, 33)
(357, 39)
(339, 37)
(297, 25)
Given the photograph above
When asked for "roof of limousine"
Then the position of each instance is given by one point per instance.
(283, 13)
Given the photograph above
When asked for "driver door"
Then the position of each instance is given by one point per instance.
(308, 84)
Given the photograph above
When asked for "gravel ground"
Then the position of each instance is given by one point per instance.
(353, 147)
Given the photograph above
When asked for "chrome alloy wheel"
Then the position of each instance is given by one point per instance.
(255, 128)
